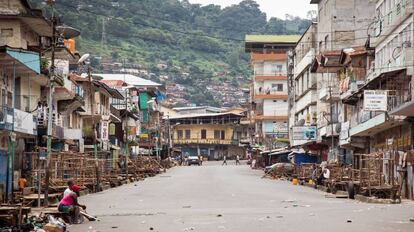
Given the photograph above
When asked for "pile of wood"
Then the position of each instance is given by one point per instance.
(304, 171)
(144, 166)
(370, 173)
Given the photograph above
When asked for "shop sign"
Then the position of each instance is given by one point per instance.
(375, 100)
(112, 129)
(304, 133)
(344, 131)
(144, 136)
(105, 130)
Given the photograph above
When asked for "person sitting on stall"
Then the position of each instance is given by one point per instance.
(69, 204)
(68, 190)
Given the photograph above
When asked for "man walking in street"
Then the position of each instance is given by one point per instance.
(237, 160)
(224, 160)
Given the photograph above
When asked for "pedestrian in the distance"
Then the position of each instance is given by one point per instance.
(237, 160)
(224, 161)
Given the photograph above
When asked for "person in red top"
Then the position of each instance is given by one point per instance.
(69, 204)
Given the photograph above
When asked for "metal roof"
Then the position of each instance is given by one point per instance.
(201, 115)
(129, 79)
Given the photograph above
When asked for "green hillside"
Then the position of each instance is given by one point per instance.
(205, 42)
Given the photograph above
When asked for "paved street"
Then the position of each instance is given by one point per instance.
(234, 198)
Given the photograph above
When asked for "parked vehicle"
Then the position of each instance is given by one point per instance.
(193, 160)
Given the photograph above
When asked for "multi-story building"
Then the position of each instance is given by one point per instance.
(212, 135)
(148, 97)
(303, 94)
(269, 91)
(21, 31)
(341, 25)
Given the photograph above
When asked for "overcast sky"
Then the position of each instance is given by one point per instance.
(275, 8)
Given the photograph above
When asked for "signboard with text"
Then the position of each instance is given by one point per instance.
(375, 100)
(304, 133)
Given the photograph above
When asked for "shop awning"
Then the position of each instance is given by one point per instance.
(25, 61)
(280, 152)
(406, 109)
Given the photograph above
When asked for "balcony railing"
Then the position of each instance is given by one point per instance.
(203, 141)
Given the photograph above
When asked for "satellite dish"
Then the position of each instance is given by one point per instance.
(67, 32)
(83, 58)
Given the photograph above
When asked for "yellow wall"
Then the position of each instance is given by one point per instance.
(196, 131)
(22, 35)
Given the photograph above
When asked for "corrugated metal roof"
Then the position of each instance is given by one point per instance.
(129, 79)
(201, 115)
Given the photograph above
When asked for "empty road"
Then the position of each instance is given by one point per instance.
(234, 198)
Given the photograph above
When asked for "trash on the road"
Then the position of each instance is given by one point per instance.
(114, 227)
(219, 215)
(279, 216)
(151, 228)
(349, 221)
(412, 220)
(187, 206)
(289, 201)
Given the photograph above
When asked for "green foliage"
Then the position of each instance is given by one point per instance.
(205, 41)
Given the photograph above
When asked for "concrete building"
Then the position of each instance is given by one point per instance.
(269, 91)
(212, 135)
(341, 25)
(303, 96)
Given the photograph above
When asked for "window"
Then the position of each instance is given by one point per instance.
(6, 32)
(187, 134)
(180, 134)
(277, 87)
(217, 134)
(203, 134)
(326, 42)
(223, 135)
(279, 68)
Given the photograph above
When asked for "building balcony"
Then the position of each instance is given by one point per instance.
(305, 100)
(270, 77)
(62, 93)
(74, 134)
(276, 95)
(329, 94)
(6, 122)
(203, 141)
(25, 123)
(375, 124)
(304, 62)
(326, 131)
(268, 57)
(271, 117)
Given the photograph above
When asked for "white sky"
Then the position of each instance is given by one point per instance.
(273, 8)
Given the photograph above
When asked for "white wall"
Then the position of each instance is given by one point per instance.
(275, 107)
(270, 67)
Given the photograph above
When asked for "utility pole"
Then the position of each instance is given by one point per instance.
(50, 105)
(95, 148)
(332, 123)
(126, 135)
